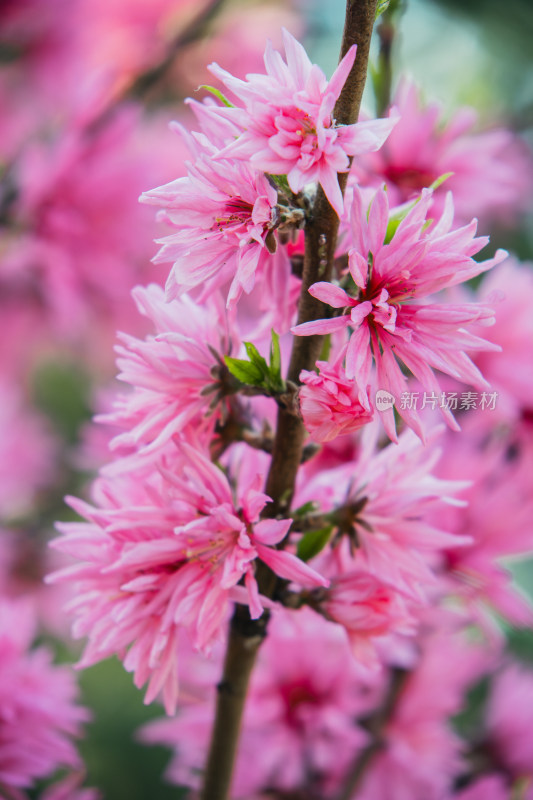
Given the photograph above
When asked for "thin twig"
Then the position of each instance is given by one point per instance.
(386, 31)
(375, 724)
(194, 31)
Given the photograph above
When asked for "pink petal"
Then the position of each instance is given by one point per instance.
(321, 326)
(290, 567)
(271, 531)
(338, 79)
(332, 295)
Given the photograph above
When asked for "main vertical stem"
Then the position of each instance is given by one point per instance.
(321, 230)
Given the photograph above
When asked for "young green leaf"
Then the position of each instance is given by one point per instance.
(381, 7)
(244, 371)
(217, 93)
(400, 212)
(256, 358)
(302, 511)
(275, 354)
(313, 542)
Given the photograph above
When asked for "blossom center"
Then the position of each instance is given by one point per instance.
(410, 180)
(235, 211)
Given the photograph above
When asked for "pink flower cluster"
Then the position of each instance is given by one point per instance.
(388, 274)
(165, 555)
(490, 172)
(385, 554)
(288, 124)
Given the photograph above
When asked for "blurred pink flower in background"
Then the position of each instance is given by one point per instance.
(421, 752)
(299, 728)
(498, 499)
(509, 714)
(492, 170)
(38, 711)
(27, 453)
(85, 240)
(509, 372)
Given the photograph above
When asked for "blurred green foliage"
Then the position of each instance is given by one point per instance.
(61, 391)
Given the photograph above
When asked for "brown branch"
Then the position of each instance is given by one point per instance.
(245, 638)
(375, 724)
(321, 235)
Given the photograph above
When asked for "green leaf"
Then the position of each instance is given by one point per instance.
(275, 354)
(302, 511)
(62, 391)
(256, 358)
(313, 542)
(244, 371)
(326, 347)
(392, 227)
(440, 180)
(282, 183)
(381, 7)
(223, 99)
(398, 214)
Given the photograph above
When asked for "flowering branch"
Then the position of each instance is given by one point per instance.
(321, 234)
(320, 239)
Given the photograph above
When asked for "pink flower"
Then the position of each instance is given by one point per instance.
(85, 240)
(299, 730)
(509, 720)
(171, 374)
(27, 454)
(223, 212)
(498, 500)
(382, 506)
(369, 610)
(38, 713)
(389, 324)
(69, 788)
(421, 753)
(288, 121)
(492, 172)
(488, 787)
(329, 403)
(167, 554)
(512, 284)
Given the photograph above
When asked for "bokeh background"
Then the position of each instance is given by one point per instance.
(87, 88)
